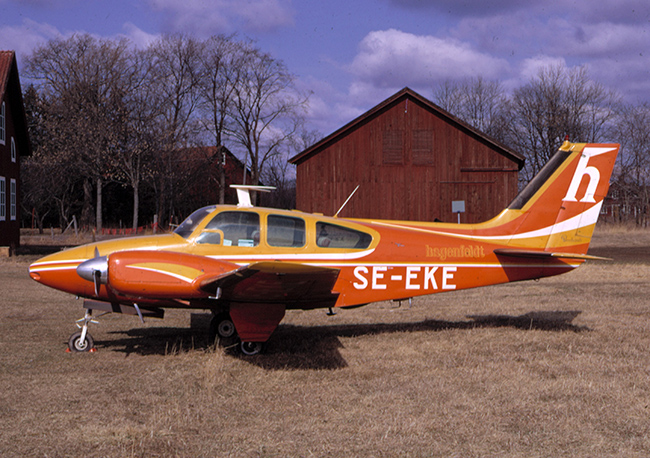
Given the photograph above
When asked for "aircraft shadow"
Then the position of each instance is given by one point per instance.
(294, 347)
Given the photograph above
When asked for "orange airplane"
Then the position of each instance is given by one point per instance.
(248, 265)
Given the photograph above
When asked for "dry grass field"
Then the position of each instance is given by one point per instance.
(557, 367)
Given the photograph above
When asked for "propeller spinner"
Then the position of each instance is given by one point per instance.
(95, 270)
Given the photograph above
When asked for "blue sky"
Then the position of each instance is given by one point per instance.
(353, 54)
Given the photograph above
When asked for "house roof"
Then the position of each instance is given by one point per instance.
(10, 86)
(409, 94)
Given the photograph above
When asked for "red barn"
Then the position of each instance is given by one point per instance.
(412, 161)
(14, 143)
(201, 168)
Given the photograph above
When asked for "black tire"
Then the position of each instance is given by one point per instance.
(223, 329)
(76, 345)
(251, 348)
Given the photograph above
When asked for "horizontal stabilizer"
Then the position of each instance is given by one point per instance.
(545, 254)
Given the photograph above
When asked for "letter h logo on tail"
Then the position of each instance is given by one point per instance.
(583, 169)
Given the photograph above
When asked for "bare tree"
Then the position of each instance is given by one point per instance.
(267, 111)
(478, 102)
(138, 139)
(80, 78)
(49, 178)
(221, 71)
(559, 102)
(633, 178)
(174, 80)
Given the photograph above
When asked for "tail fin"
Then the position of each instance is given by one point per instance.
(557, 212)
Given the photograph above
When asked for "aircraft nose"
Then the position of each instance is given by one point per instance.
(58, 270)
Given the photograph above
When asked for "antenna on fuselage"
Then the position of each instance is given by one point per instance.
(244, 195)
(346, 201)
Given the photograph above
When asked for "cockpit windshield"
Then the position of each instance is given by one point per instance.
(187, 227)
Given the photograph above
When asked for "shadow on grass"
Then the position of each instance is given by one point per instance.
(294, 347)
(623, 254)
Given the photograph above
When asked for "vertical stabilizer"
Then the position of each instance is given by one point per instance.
(558, 210)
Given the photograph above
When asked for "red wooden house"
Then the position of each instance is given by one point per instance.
(14, 143)
(412, 161)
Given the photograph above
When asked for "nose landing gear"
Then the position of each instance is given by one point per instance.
(82, 341)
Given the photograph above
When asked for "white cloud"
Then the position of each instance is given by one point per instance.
(598, 39)
(139, 37)
(204, 18)
(392, 58)
(530, 68)
(25, 37)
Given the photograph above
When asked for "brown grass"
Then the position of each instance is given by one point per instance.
(559, 367)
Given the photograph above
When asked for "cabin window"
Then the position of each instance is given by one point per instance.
(187, 227)
(238, 229)
(12, 200)
(285, 231)
(3, 129)
(3, 199)
(333, 236)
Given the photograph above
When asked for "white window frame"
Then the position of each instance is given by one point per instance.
(3, 199)
(13, 199)
(3, 124)
(13, 150)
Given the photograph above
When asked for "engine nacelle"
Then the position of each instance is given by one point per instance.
(162, 274)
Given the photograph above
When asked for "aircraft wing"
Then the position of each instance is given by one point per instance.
(514, 252)
(275, 282)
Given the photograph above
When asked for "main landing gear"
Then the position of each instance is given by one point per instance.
(222, 330)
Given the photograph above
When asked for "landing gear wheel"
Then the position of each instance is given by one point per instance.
(251, 348)
(75, 344)
(226, 328)
(223, 328)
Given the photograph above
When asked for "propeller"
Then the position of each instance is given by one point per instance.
(94, 270)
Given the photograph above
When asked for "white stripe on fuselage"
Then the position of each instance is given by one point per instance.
(581, 220)
(164, 272)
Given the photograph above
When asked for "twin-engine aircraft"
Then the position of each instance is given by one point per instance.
(248, 265)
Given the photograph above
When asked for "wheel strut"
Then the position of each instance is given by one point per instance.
(82, 341)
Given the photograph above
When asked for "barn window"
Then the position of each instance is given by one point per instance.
(422, 147)
(3, 199)
(12, 201)
(393, 147)
(334, 236)
(285, 231)
(2, 124)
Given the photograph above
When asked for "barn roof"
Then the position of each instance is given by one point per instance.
(10, 85)
(409, 94)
